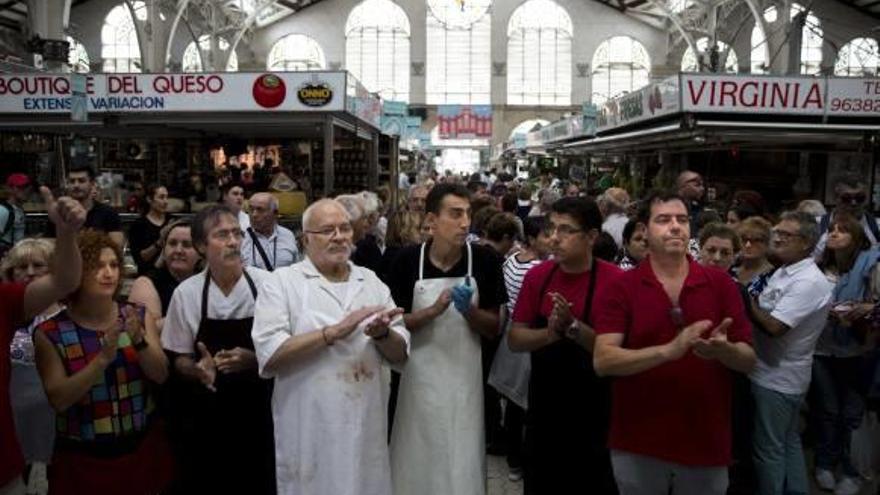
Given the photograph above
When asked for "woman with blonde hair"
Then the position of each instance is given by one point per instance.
(753, 269)
(27, 261)
(97, 359)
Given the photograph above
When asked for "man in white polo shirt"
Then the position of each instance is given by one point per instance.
(789, 316)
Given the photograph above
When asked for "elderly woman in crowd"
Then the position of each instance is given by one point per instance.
(719, 245)
(97, 359)
(322, 329)
(635, 245)
(27, 261)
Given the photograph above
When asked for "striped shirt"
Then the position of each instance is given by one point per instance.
(514, 273)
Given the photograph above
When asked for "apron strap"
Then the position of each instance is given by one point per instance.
(591, 291)
(251, 284)
(205, 295)
(470, 263)
(422, 261)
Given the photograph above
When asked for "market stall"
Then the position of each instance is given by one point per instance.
(322, 126)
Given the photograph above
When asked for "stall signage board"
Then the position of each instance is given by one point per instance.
(464, 121)
(853, 97)
(652, 101)
(363, 104)
(394, 107)
(160, 93)
(713, 93)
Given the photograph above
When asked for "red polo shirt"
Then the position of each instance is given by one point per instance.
(679, 411)
(11, 313)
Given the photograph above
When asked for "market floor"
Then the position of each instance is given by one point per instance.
(498, 482)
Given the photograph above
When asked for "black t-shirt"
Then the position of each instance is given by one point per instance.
(142, 233)
(367, 253)
(100, 217)
(486, 268)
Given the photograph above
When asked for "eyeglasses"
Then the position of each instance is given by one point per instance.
(563, 230)
(852, 199)
(222, 235)
(753, 240)
(783, 235)
(330, 231)
(677, 316)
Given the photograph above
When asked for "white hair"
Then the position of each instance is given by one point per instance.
(353, 205)
(370, 202)
(310, 211)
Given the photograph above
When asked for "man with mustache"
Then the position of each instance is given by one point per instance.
(323, 329)
(208, 330)
(671, 331)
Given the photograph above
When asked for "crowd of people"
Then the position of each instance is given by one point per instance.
(603, 343)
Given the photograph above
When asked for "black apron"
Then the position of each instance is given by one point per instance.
(233, 430)
(568, 415)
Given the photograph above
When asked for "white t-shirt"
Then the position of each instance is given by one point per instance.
(185, 310)
(614, 225)
(244, 220)
(798, 295)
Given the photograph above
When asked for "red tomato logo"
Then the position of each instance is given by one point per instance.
(269, 91)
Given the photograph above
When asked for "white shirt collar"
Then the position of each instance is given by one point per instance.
(794, 268)
(310, 270)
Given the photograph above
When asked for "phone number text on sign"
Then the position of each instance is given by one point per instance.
(854, 96)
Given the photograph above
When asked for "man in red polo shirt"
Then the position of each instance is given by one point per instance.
(17, 303)
(671, 331)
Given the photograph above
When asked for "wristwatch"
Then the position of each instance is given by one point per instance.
(139, 346)
(572, 330)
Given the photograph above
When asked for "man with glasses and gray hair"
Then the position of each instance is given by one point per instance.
(851, 198)
(790, 315)
(323, 329)
(670, 331)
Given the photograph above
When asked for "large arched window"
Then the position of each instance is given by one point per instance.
(458, 59)
(689, 62)
(811, 40)
(77, 57)
(620, 65)
(120, 51)
(858, 58)
(539, 54)
(192, 56)
(296, 52)
(759, 56)
(377, 48)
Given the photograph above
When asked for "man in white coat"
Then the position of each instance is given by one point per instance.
(322, 328)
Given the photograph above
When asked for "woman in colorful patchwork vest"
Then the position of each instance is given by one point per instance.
(97, 359)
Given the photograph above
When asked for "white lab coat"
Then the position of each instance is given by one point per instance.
(329, 410)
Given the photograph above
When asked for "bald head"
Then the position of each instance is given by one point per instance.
(316, 211)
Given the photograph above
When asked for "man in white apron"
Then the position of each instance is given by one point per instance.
(322, 329)
(451, 292)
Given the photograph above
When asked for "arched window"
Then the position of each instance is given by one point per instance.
(458, 59)
(120, 51)
(679, 6)
(620, 65)
(77, 57)
(192, 56)
(689, 61)
(759, 56)
(858, 58)
(377, 48)
(526, 127)
(296, 52)
(811, 40)
(539, 54)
